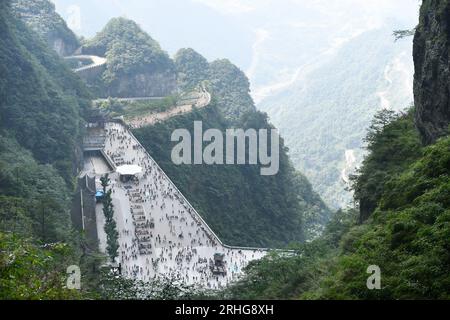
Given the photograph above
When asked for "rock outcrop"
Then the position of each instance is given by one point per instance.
(62, 46)
(150, 84)
(432, 64)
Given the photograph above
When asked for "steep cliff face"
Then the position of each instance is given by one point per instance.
(146, 84)
(432, 63)
(40, 15)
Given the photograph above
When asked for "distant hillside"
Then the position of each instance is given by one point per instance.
(136, 67)
(40, 16)
(325, 114)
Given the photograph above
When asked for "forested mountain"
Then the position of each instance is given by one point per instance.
(136, 64)
(231, 87)
(229, 84)
(41, 105)
(42, 100)
(40, 16)
(192, 68)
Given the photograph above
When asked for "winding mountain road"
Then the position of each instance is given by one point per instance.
(97, 62)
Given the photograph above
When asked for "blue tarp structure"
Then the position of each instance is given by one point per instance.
(99, 194)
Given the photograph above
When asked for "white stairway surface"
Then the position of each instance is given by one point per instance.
(159, 232)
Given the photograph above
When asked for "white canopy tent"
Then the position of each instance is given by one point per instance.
(129, 170)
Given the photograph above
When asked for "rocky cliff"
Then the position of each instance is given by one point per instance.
(145, 84)
(432, 78)
(40, 15)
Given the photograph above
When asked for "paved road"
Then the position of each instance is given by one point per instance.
(97, 61)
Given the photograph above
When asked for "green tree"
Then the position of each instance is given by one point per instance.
(112, 236)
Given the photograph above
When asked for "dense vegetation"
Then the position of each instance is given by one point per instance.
(41, 101)
(228, 83)
(192, 68)
(243, 207)
(407, 236)
(30, 272)
(231, 87)
(291, 276)
(41, 107)
(34, 197)
(393, 144)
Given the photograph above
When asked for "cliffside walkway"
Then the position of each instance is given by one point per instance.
(131, 99)
(202, 101)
